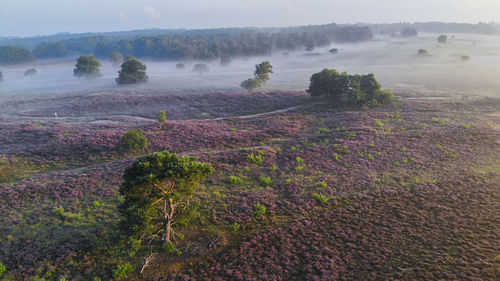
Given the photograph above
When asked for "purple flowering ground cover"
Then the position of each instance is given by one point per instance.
(409, 191)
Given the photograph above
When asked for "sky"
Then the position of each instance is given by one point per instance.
(41, 17)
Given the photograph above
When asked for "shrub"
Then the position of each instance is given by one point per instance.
(336, 156)
(288, 181)
(122, 270)
(299, 168)
(30, 72)
(201, 68)
(254, 159)
(442, 39)
(162, 118)
(464, 58)
(266, 181)
(235, 180)
(58, 211)
(422, 52)
(169, 247)
(2, 269)
(180, 66)
(251, 84)
(320, 198)
(378, 123)
(133, 141)
(235, 226)
(466, 126)
(299, 160)
(96, 204)
(322, 184)
(259, 210)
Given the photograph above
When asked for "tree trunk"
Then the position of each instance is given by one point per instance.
(167, 222)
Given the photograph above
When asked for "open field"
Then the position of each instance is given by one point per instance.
(408, 191)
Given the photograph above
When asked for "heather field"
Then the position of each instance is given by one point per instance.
(301, 189)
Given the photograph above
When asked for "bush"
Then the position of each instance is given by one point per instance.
(122, 270)
(322, 184)
(235, 226)
(442, 39)
(3, 269)
(133, 141)
(235, 180)
(58, 211)
(378, 123)
(162, 118)
(30, 72)
(132, 71)
(201, 68)
(266, 181)
(259, 210)
(180, 66)
(251, 84)
(169, 247)
(320, 198)
(422, 52)
(255, 159)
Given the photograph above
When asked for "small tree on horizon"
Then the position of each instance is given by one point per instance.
(157, 191)
(87, 66)
(132, 71)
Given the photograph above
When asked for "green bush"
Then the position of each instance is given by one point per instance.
(122, 270)
(266, 181)
(299, 160)
(235, 180)
(322, 184)
(320, 198)
(259, 210)
(58, 211)
(133, 141)
(255, 159)
(235, 226)
(162, 118)
(169, 247)
(3, 269)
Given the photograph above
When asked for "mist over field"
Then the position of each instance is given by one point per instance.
(393, 60)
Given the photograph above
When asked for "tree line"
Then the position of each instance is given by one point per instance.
(192, 44)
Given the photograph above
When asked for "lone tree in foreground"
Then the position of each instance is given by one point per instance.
(343, 88)
(132, 71)
(157, 191)
(162, 118)
(87, 66)
(133, 141)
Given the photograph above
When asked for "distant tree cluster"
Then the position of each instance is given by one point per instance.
(200, 68)
(409, 32)
(50, 50)
(15, 54)
(344, 88)
(31, 72)
(261, 75)
(443, 39)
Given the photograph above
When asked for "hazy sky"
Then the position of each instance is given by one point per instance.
(35, 17)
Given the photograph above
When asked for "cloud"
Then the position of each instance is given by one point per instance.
(122, 15)
(152, 13)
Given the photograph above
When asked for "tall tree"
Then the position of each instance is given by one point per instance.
(157, 190)
(132, 71)
(87, 66)
(262, 71)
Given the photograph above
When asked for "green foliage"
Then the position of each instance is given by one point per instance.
(262, 72)
(58, 211)
(336, 156)
(169, 247)
(162, 118)
(122, 270)
(3, 269)
(15, 54)
(96, 278)
(299, 160)
(87, 66)
(266, 181)
(320, 198)
(158, 187)
(322, 184)
(378, 123)
(443, 39)
(348, 89)
(288, 181)
(251, 84)
(133, 141)
(299, 168)
(132, 71)
(259, 210)
(466, 126)
(235, 226)
(49, 49)
(96, 204)
(235, 180)
(255, 159)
